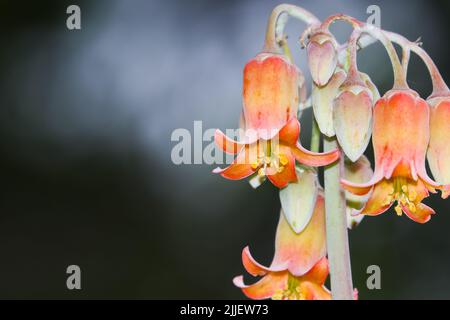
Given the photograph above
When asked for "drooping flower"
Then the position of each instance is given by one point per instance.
(359, 172)
(400, 139)
(352, 115)
(299, 267)
(270, 144)
(439, 148)
(322, 56)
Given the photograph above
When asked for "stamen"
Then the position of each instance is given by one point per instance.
(398, 210)
(261, 172)
(283, 159)
(412, 195)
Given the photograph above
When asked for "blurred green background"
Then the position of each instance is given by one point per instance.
(85, 124)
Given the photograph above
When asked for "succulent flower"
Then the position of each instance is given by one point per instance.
(299, 267)
(400, 140)
(270, 145)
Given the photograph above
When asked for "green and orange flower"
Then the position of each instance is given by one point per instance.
(400, 139)
(299, 267)
(270, 145)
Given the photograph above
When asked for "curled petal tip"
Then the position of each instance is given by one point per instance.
(238, 281)
(226, 144)
(422, 213)
(356, 188)
(314, 159)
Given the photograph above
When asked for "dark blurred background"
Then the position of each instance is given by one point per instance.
(86, 119)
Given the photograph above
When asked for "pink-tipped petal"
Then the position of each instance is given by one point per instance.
(312, 158)
(226, 144)
(421, 214)
(241, 167)
(361, 189)
(250, 264)
(377, 203)
(265, 288)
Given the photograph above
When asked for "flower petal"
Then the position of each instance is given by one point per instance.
(265, 288)
(250, 264)
(270, 93)
(290, 132)
(226, 144)
(361, 189)
(319, 273)
(312, 158)
(378, 201)
(241, 167)
(357, 172)
(400, 132)
(313, 291)
(422, 213)
(287, 175)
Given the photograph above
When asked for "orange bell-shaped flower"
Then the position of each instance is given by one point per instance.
(299, 268)
(270, 143)
(400, 138)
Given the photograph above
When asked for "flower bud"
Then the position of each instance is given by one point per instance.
(322, 57)
(322, 102)
(352, 117)
(298, 199)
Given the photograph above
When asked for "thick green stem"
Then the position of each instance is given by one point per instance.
(336, 226)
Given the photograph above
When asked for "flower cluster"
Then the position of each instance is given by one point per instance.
(405, 129)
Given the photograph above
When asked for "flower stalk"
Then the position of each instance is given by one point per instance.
(277, 22)
(336, 229)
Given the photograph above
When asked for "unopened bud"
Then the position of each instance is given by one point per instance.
(322, 57)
